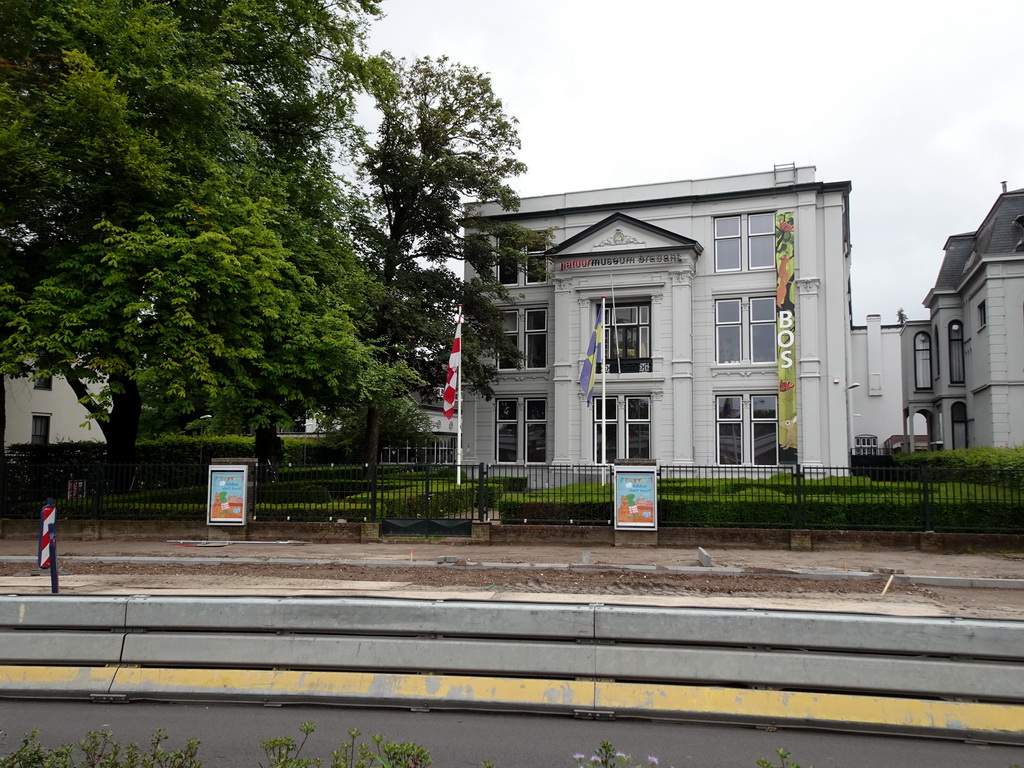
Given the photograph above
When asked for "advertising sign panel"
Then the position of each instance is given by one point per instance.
(226, 495)
(636, 500)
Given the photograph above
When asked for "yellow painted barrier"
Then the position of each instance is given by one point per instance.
(845, 709)
(848, 710)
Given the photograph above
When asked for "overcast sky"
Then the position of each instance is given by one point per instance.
(919, 104)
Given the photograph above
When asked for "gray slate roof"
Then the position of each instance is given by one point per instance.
(997, 234)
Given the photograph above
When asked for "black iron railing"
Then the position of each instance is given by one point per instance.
(904, 499)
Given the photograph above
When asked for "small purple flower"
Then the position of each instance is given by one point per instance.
(652, 760)
(595, 760)
(578, 756)
(621, 755)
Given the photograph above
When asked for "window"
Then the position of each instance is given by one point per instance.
(508, 274)
(534, 413)
(537, 430)
(508, 430)
(922, 361)
(727, 244)
(866, 445)
(529, 271)
(528, 330)
(511, 320)
(605, 422)
(956, 352)
(958, 415)
(761, 341)
(628, 333)
(536, 338)
(635, 419)
(638, 427)
(45, 382)
(748, 435)
(760, 242)
(40, 428)
(982, 315)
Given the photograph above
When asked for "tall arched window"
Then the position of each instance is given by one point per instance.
(956, 352)
(922, 361)
(958, 415)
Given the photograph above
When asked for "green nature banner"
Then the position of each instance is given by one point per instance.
(785, 328)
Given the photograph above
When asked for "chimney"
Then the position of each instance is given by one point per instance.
(1004, 187)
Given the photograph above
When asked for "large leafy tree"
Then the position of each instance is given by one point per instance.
(444, 144)
(168, 205)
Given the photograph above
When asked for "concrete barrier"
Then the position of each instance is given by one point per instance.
(798, 667)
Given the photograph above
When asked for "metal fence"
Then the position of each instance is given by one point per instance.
(907, 499)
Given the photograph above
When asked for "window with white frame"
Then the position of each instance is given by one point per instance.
(758, 344)
(527, 329)
(628, 333)
(521, 429)
(531, 268)
(43, 382)
(40, 428)
(866, 445)
(507, 432)
(958, 416)
(747, 429)
(982, 315)
(956, 352)
(922, 361)
(626, 431)
(748, 239)
(536, 430)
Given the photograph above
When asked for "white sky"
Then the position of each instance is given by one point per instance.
(919, 104)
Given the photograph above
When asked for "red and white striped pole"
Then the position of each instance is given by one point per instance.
(48, 542)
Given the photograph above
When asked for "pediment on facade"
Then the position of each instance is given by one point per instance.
(623, 234)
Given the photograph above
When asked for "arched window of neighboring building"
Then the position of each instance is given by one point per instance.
(958, 415)
(922, 361)
(956, 352)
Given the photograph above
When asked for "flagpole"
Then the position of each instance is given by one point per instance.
(458, 438)
(604, 393)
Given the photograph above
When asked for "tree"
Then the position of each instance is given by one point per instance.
(444, 139)
(168, 204)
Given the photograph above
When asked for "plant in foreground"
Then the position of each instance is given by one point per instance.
(99, 750)
(783, 756)
(606, 756)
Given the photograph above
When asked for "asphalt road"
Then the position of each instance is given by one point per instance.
(230, 736)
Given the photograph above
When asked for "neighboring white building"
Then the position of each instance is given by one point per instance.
(44, 411)
(964, 365)
(876, 394)
(727, 324)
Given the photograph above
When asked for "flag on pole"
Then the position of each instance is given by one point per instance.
(454, 363)
(588, 374)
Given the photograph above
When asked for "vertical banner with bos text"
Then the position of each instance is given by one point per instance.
(785, 327)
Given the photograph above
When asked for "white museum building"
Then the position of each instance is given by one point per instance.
(726, 327)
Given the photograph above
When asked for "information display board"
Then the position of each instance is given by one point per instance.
(636, 498)
(226, 495)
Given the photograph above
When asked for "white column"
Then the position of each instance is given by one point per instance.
(812, 429)
(681, 366)
(563, 417)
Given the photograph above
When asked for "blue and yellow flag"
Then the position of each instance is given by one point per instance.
(588, 374)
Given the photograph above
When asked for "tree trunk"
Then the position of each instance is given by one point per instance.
(269, 452)
(120, 427)
(372, 442)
